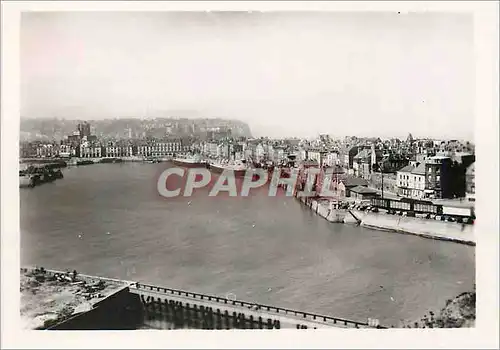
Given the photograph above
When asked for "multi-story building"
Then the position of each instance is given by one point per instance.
(410, 181)
(118, 150)
(210, 149)
(438, 181)
(316, 155)
(278, 154)
(160, 148)
(90, 150)
(47, 150)
(260, 152)
(66, 151)
(470, 186)
(391, 162)
(331, 158)
(364, 161)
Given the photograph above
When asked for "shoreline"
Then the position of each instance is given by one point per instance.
(425, 228)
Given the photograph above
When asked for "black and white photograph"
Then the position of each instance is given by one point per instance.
(211, 169)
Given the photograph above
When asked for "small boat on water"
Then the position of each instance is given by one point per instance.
(192, 161)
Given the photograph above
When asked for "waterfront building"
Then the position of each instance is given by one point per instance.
(346, 184)
(470, 186)
(259, 152)
(160, 148)
(361, 193)
(439, 175)
(211, 148)
(331, 158)
(47, 150)
(90, 150)
(66, 151)
(411, 181)
(362, 163)
(315, 154)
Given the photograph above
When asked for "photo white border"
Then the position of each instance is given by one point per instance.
(485, 335)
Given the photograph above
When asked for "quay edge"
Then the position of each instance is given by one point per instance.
(425, 228)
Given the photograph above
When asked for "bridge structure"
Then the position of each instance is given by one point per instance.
(173, 308)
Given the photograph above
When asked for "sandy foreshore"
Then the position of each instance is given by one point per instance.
(49, 297)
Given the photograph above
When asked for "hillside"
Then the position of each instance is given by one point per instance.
(457, 313)
(56, 128)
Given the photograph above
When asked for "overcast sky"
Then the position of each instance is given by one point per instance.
(283, 73)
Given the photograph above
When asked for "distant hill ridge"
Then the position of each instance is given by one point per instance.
(57, 128)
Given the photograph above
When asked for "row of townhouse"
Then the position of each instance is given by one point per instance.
(262, 151)
(96, 149)
(437, 177)
(222, 150)
(256, 151)
(45, 150)
(162, 149)
(156, 149)
(320, 156)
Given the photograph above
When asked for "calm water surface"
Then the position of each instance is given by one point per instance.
(268, 250)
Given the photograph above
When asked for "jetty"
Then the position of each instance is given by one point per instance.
(90, 303)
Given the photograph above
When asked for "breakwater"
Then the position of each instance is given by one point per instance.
(427, 228)
(142, 306)
(173, 308)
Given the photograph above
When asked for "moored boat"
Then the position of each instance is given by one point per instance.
(239, 168)
(193, 161)
(84, 162)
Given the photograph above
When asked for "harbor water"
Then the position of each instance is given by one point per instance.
(109, 220)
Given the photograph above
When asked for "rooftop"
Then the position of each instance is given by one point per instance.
(365, 153)
(354, 181)
(419, 170)
(406, 169)
(363, 190)
(439, 157)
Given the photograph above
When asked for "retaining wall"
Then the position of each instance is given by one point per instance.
(435, 229)
(120, 311)
(428, 228)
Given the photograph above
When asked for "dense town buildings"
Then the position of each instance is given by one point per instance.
(412, 168)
